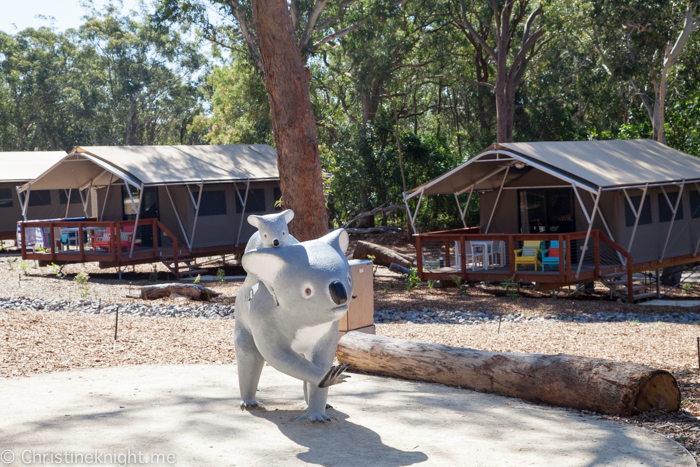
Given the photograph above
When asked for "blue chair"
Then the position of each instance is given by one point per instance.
(550, 256)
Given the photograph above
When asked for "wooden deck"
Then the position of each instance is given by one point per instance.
(153, 243)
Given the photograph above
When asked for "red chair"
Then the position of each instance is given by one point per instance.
(104, 242)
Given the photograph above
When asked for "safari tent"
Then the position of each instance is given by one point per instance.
(18, 168)
(614, 201)
(158, 203)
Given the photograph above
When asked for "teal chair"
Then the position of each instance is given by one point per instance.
(550, 256)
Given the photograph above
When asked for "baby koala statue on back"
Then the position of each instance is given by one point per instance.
(272, 233)
(298, 333)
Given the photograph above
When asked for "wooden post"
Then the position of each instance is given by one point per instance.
(596, 252)
(176, 258)
(463, 256)
(447, 254)
(569, 246)
(52, 240)
(116, 230)
(511, 254)
(81, 242)
(23, 238)
(419, 258)
(630, 281)
(562, 263)
(154, 232)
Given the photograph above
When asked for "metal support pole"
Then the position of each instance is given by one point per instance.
(68, 193)
(26, 200)
(588, 233)
(463, 213)
(245, 201)
(104, 204)
(637, 213)
(136, 225)
(498, 197)
(196, 212)
(412, 218)
(179, 221)
(673, 217)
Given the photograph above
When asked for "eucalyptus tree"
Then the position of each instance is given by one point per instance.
(641, 41)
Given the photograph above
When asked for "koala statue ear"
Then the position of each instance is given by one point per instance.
(264, 264)
(288, 215)
(254, 220)
(338, 239)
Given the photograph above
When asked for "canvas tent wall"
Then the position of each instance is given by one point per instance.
(17, 168)
(234, 180)
(606, 180)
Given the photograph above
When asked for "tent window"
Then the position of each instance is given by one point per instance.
(40, 198)
(213, 203)
(694, 205)
(74, 197)
(546, 211)
(5, 198)
(665, 213)
(255, 201)
(644, 217)
(277, 193)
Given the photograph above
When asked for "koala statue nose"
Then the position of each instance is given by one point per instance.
(338, 293)
(276, 242)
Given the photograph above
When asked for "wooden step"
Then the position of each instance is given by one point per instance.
(643, 296)
(635, 288)
(613, 275)
(192, 272)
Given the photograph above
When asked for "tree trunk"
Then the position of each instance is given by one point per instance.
(194, 291)
(382, 255)
(561, 380)
(293, 120)
(659, 108)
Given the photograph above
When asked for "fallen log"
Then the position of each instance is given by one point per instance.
(382, 255)
(561, 380)
(193, 291)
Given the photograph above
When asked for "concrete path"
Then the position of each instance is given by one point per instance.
(190, 413)
(667, 302)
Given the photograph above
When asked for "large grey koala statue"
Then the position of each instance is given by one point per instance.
(298, 333)
(272, 233)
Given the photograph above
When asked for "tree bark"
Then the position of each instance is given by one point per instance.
(382, 255)
(561, 380)
(293, 120)
(194, 291)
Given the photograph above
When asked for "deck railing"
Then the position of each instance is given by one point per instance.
(113, 243)
(472, 256)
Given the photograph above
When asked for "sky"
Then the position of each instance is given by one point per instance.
(67, 13)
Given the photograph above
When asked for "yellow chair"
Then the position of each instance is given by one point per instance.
(528, 254)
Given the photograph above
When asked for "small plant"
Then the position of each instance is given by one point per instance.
(633, 320)
(220, 274)
(82, 279)
(385, 290)
(391, 283)
(460, 286)
(687, 287)
(57, 270)
(9, 264)
(511, 288)
(431, 284)
(153, 276)
(372, 258)
(198, 279)
(412, 279)
(24, 267)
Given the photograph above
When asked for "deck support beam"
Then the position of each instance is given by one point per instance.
(244, 200)
(674, 209)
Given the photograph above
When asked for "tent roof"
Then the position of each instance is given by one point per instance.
(28, 165)
(591, 165)
(161, 165)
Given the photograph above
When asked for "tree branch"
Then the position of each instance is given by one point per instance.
(341, 33)
(296, 15)
(305, 38)
(475, 34)
(461, 78)
(643, 97)
(250, 41)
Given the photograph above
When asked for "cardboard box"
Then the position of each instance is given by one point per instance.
(360, 316)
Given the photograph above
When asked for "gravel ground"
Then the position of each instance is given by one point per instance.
(34, 338)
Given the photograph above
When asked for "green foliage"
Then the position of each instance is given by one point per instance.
(57, 270)
(198, 279)
(412, 279)
(511, 287)
(220, 274)
(82, 279)
(25, 268)
(153, 276)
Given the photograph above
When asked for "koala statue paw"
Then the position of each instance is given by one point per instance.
(314, 417)
(248, 404)
(334, 376)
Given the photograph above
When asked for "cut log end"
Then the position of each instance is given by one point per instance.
(659, 392)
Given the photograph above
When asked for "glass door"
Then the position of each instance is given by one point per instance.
(149, 210)
(548, 210)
